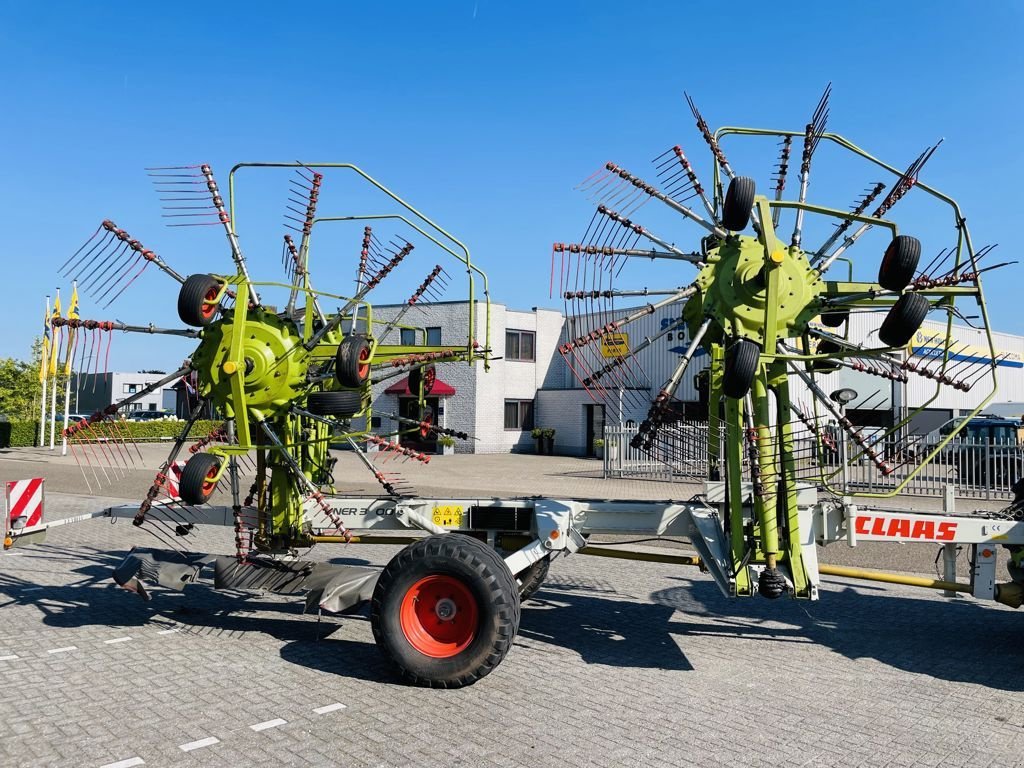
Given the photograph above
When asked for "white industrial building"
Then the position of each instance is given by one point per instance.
(95, 391)
(530, 385)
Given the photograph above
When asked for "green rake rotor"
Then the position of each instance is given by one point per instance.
(772, 318)
(290, 382)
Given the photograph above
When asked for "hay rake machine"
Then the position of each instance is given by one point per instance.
(766, 313)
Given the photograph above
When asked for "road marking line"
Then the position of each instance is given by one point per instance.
(209, 741)
(268, 724)
(125, 763)
(169, 631)
(117, 640)
(329, 708)
(64, 649)
(12, 657)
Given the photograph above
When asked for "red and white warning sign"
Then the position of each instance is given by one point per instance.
(24, 503)
(174, 479)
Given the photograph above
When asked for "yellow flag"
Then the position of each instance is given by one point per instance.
(54, 343)
(72, 315)
(44, 358)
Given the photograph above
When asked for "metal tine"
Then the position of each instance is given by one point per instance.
(941, 258)
(71, 258)
(105, 260)
(782, 170)
(74, 444)
(812, 135)
(675, 205)
(597, 187)
(903, 185)
(712, 143)
(103, 244)
(858, 209)
(906, 181)
(692, 182)
(596, 177)
(134, 443)
(117, 439)
(99, 450)
(123, 277)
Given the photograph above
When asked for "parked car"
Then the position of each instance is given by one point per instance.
(987, 451)
(152, 416)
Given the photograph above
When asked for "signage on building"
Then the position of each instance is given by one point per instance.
(930, 341)
(615, 344)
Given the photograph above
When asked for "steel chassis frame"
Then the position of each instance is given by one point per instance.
(563, 526)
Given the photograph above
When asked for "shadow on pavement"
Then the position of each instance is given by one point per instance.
(958, 640)
(961, 639)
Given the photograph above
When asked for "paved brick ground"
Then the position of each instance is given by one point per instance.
(616, 664)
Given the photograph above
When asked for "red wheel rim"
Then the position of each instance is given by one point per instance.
(439, 616)
(426, 424)
(209, 306)
(429, 377)
(364, 367)
(210, 482)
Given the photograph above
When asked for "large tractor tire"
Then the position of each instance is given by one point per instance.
(899, 263)
(343, 404)
(445, 611)
(739, 200)
(351, 366)
(533, 578)
(741, 362)
(198, 478)
(197, 300)
(903, 320)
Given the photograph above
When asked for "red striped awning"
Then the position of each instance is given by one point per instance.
(401, 388)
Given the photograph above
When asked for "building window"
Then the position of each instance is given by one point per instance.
(518, 415)
(519, 345)
(131, 389)
(408, 337)
(433, 337)
(152, 406)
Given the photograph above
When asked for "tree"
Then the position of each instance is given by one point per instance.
(20, 388)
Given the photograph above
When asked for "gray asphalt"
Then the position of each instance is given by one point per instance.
(616, 664)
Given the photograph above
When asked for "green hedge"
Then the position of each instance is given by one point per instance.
(17, 434)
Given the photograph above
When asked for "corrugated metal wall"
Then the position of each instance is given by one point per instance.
(660, 359)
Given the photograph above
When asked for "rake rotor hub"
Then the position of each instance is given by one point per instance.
(733, 290)
(273, 363)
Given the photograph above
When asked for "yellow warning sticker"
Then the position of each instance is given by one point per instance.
(448, 516)
(615, 344)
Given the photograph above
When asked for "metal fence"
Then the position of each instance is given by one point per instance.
(682, 453)
(978, 469)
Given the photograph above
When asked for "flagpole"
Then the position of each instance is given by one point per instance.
(45, 364)
(53, 411)
(72, 313)
(54, 354)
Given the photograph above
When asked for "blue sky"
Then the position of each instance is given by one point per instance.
(483, 114)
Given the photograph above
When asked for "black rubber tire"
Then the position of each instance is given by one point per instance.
(899, 263)
(739, 199)
(194, 486)
(350, 366)
(741, 363)
(193, 306)
(903, 320)
(344, 404)
(533, 578)
(427, 374)
(493, 588)
(835, 317)
(826, 347)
